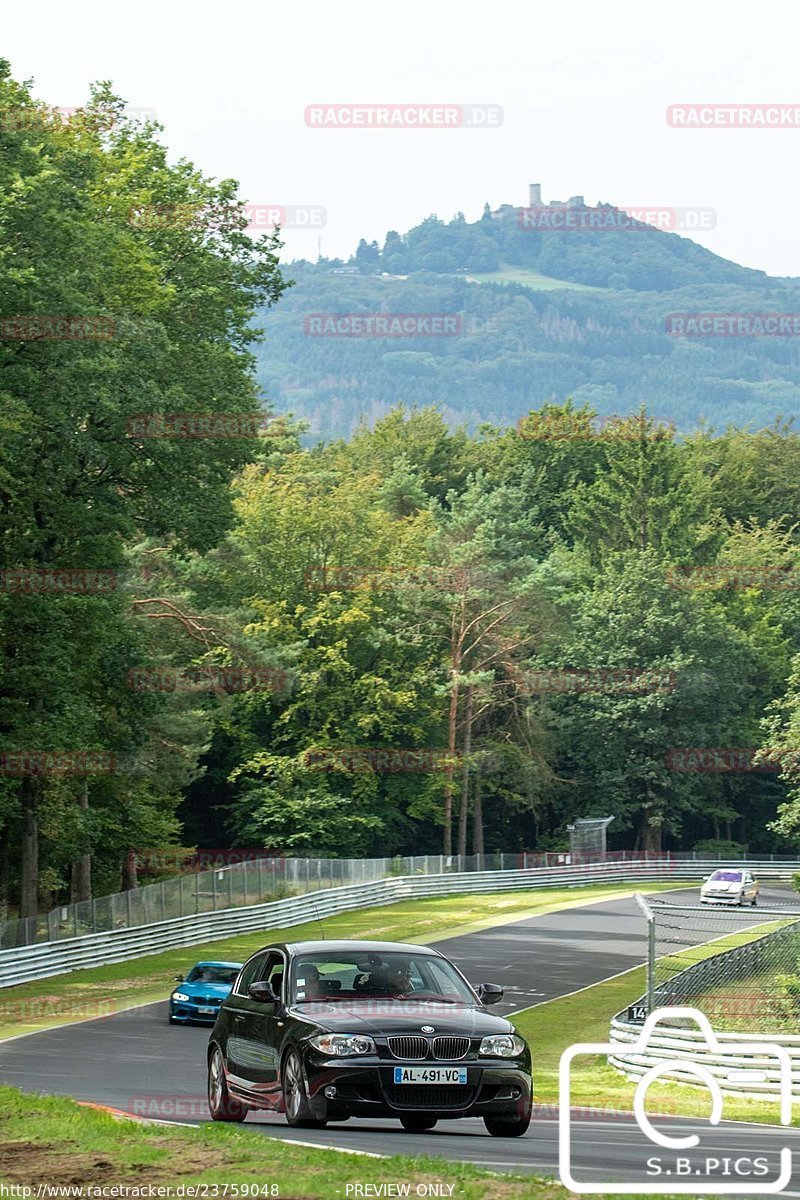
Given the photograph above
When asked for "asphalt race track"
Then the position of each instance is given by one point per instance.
(136, 1062)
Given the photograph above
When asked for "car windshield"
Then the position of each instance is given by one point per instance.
(207, 974)
(726, 877)
(385, 974)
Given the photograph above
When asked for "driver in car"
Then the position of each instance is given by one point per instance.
(392, 979)
(312, 982)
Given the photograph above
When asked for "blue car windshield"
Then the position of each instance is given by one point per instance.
(212, 975)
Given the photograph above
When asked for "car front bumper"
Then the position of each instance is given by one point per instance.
(188, 1010)
(726, 898)
(368, 1089)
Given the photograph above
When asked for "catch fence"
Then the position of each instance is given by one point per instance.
(259, 881)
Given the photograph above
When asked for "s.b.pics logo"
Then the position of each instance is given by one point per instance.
(691, 1155)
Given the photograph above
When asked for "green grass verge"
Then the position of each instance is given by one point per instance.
(58, 1142)
(45, 1139)
(99, 990)
(533, 280)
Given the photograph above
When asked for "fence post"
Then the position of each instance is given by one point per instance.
(651, 950)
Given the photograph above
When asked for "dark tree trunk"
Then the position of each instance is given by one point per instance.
(464, 806)
(477, 814)
(130, 880)
(452, 725)
(81, 888)
(5, 857)
(29, 866)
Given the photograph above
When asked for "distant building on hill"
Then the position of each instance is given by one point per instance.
(535, 201)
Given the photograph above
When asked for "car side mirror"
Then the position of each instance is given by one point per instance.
(179, 979)
(263, 992)
(490, 993)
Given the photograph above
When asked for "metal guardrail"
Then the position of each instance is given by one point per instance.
(689, 1045)
(42, 960)
(259, 880)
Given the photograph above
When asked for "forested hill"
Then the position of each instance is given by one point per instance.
(543, 314)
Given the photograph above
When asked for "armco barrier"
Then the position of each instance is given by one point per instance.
(689, 1045)
(258, 880)
(70, 954)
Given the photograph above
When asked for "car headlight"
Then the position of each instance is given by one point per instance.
(180, 996)
(343, 1045)
(502, 1045)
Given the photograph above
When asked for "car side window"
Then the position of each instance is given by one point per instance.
(248, 974)
(273, 972)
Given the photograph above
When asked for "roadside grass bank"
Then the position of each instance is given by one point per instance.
(554, 1025)
(100, 991)
(53, 1141)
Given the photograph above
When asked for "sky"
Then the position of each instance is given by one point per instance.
(578, 93)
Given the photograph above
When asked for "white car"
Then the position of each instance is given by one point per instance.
(728, 886)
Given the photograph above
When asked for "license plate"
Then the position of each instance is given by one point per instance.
(206, 1009)
(430, 1074)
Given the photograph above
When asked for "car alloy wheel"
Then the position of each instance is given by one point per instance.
(295, 1102)
(221, 1104)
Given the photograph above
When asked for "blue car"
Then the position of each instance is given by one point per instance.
(199, 995)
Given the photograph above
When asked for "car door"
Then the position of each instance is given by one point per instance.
(263, 1027)
(236, 1010)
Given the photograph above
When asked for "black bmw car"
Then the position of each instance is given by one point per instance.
(324, 1031)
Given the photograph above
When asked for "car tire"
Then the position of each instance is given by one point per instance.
(741, 900)
(173, 1020)
(417, 1122)
(754, 902)
(221, 1104)
(502, 1126)
(295, 1100)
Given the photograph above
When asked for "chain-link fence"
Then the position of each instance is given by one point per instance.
(739, 966)
(258, 882)
(588, 835)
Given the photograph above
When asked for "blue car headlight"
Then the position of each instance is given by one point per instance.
(180, 996)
